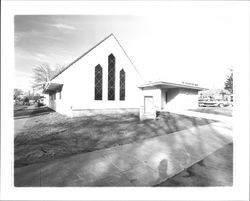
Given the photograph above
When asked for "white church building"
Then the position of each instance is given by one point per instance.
(104, 80)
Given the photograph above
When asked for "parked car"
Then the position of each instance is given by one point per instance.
(214, 103)
(31, 102)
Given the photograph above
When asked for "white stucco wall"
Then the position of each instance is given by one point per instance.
(155, 93)
(79, 79)
(190, 98)
(179, 99)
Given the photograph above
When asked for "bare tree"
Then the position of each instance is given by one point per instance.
(43, 73)
(57, 70)
(17, 94)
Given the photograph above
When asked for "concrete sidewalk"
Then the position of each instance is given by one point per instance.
(214, 170)
(20, 122)
(145, 163)
(216, 117)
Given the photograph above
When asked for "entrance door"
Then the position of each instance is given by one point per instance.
(149, 105)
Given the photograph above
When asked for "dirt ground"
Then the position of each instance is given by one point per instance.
(48, 135)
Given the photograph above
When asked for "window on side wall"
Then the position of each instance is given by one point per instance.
(122, 84)
(98, 82)
(111, 77)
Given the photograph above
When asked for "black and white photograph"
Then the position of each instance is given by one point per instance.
(127, 96)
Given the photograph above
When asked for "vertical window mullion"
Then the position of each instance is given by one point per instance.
(98, 82)
(122, 84)
(111, 77)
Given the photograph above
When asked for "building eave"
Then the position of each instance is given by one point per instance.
(52, 87)
(162, 84)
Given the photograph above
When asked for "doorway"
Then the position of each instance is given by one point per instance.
(149, 105)
(166, 97)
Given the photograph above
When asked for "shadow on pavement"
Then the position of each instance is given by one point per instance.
(215, 170)
(60, 137)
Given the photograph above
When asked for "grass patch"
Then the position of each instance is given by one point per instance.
(53, 135)
(19, 108)
(226, 111)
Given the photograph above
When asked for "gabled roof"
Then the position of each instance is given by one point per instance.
(77, 59)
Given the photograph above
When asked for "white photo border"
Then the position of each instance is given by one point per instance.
(240, 14)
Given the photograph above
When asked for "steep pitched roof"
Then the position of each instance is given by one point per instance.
(77, 59)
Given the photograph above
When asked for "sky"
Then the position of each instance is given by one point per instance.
(192, 47)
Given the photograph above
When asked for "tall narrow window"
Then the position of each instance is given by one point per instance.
(98, 82)
(111, 77)
(122, 84)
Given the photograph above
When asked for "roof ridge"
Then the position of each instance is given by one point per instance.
(128, 57)
(78, 58)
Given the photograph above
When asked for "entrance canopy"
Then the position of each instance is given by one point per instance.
(169, 85)
(52, 88)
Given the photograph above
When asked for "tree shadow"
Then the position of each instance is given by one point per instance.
(68, 136)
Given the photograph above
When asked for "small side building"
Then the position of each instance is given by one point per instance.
(167, 96)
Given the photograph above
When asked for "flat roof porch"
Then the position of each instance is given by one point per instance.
(169, 85)
(52, 88)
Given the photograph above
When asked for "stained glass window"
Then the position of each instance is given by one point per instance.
(122, 84)
(98, 82)
(111, 77)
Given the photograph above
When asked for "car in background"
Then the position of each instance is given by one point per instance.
(214, 103)
(31, 102)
